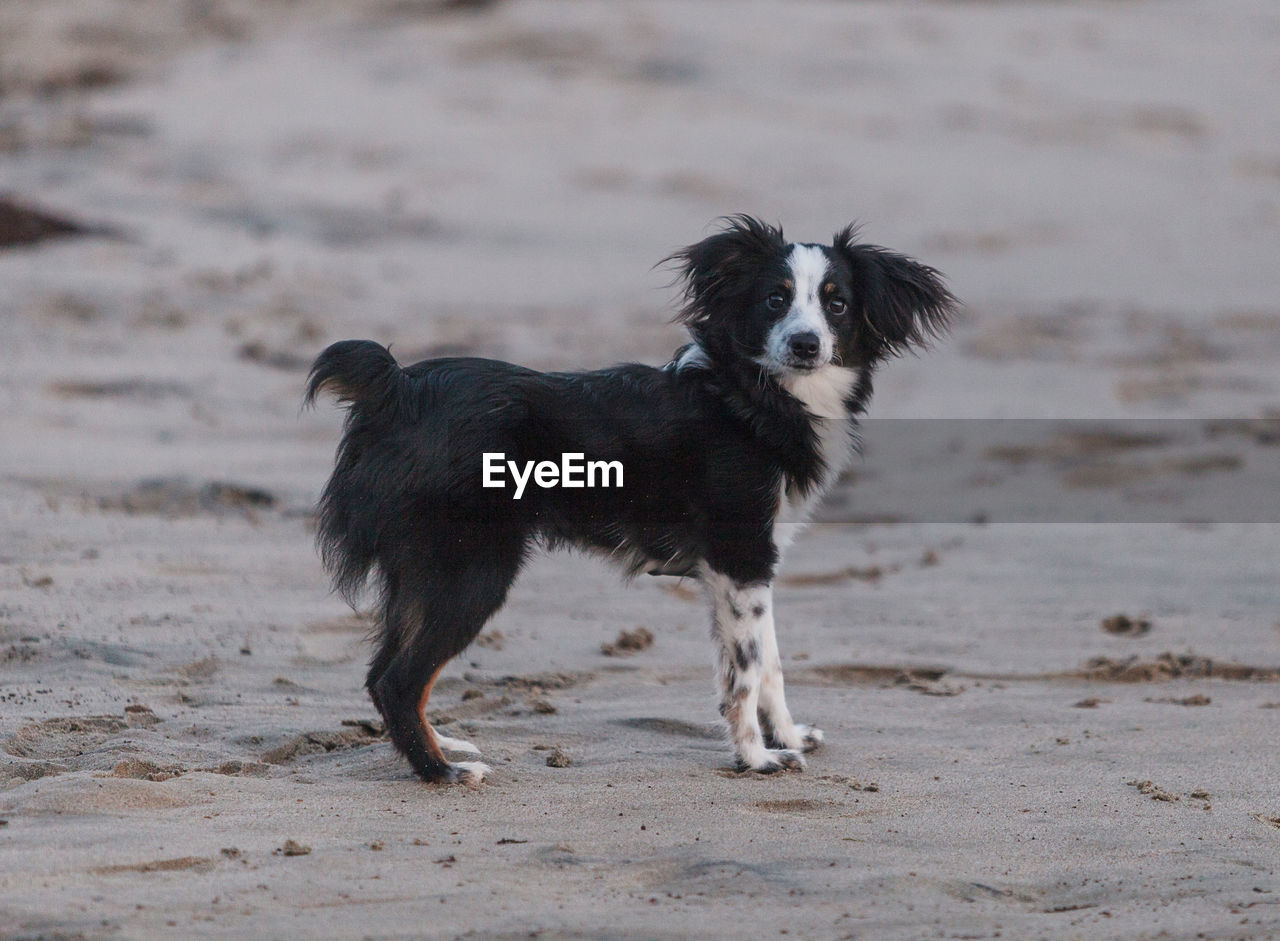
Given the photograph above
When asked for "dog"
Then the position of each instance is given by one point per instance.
(721, 454)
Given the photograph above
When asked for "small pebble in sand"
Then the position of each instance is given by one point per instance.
(1153, 790)
(293, 848)
(1197, 700)
(558, 759)
(377, 846)
(1091, 703)
(138, 715)
(629, 642)
(1124, 625)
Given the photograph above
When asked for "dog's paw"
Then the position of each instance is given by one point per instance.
(802, 738)
(456, 744)
(810, 738)
(773, 760)
(470, 773)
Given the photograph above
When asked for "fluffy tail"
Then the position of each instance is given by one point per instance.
(364, 376)
(360, 373)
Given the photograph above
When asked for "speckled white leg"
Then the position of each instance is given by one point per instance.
(775, 718)
(737, 615)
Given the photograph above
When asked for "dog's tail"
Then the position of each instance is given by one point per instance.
(364, 376)
(360, 373)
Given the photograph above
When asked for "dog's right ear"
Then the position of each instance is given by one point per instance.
(721, 268)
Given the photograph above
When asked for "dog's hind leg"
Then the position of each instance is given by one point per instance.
(388, 645)
(378, 666)
(430, 619)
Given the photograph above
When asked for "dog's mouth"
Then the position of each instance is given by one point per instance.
(799, 366)
(788, 367)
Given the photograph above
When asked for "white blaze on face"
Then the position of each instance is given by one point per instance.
(809, 269)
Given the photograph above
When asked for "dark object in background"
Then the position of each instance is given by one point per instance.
(24, 225)
(1123, 624)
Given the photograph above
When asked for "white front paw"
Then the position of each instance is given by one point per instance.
(798, 738)
(810, 738)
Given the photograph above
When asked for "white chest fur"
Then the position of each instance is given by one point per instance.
(823, 393)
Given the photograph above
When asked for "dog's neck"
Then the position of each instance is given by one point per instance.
(799, 416)
(824, 392)
(830, 392)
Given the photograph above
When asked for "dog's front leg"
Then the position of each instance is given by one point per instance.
(780, 731)
(739, 614)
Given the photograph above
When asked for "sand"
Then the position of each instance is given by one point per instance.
(185, 748)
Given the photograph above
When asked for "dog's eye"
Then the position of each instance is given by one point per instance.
(775, 301)
(837, 306)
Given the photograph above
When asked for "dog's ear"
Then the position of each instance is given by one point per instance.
(903, 303)
(721, 268)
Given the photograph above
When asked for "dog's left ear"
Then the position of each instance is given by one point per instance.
(903, 303)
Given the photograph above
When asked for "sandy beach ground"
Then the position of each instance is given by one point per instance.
(185, 747)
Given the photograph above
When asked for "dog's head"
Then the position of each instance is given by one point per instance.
(794, 308)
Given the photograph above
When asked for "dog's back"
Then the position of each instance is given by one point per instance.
(430, 452)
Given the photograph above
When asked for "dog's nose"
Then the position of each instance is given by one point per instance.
(804, 346)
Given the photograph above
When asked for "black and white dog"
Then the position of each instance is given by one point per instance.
(723, 454)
